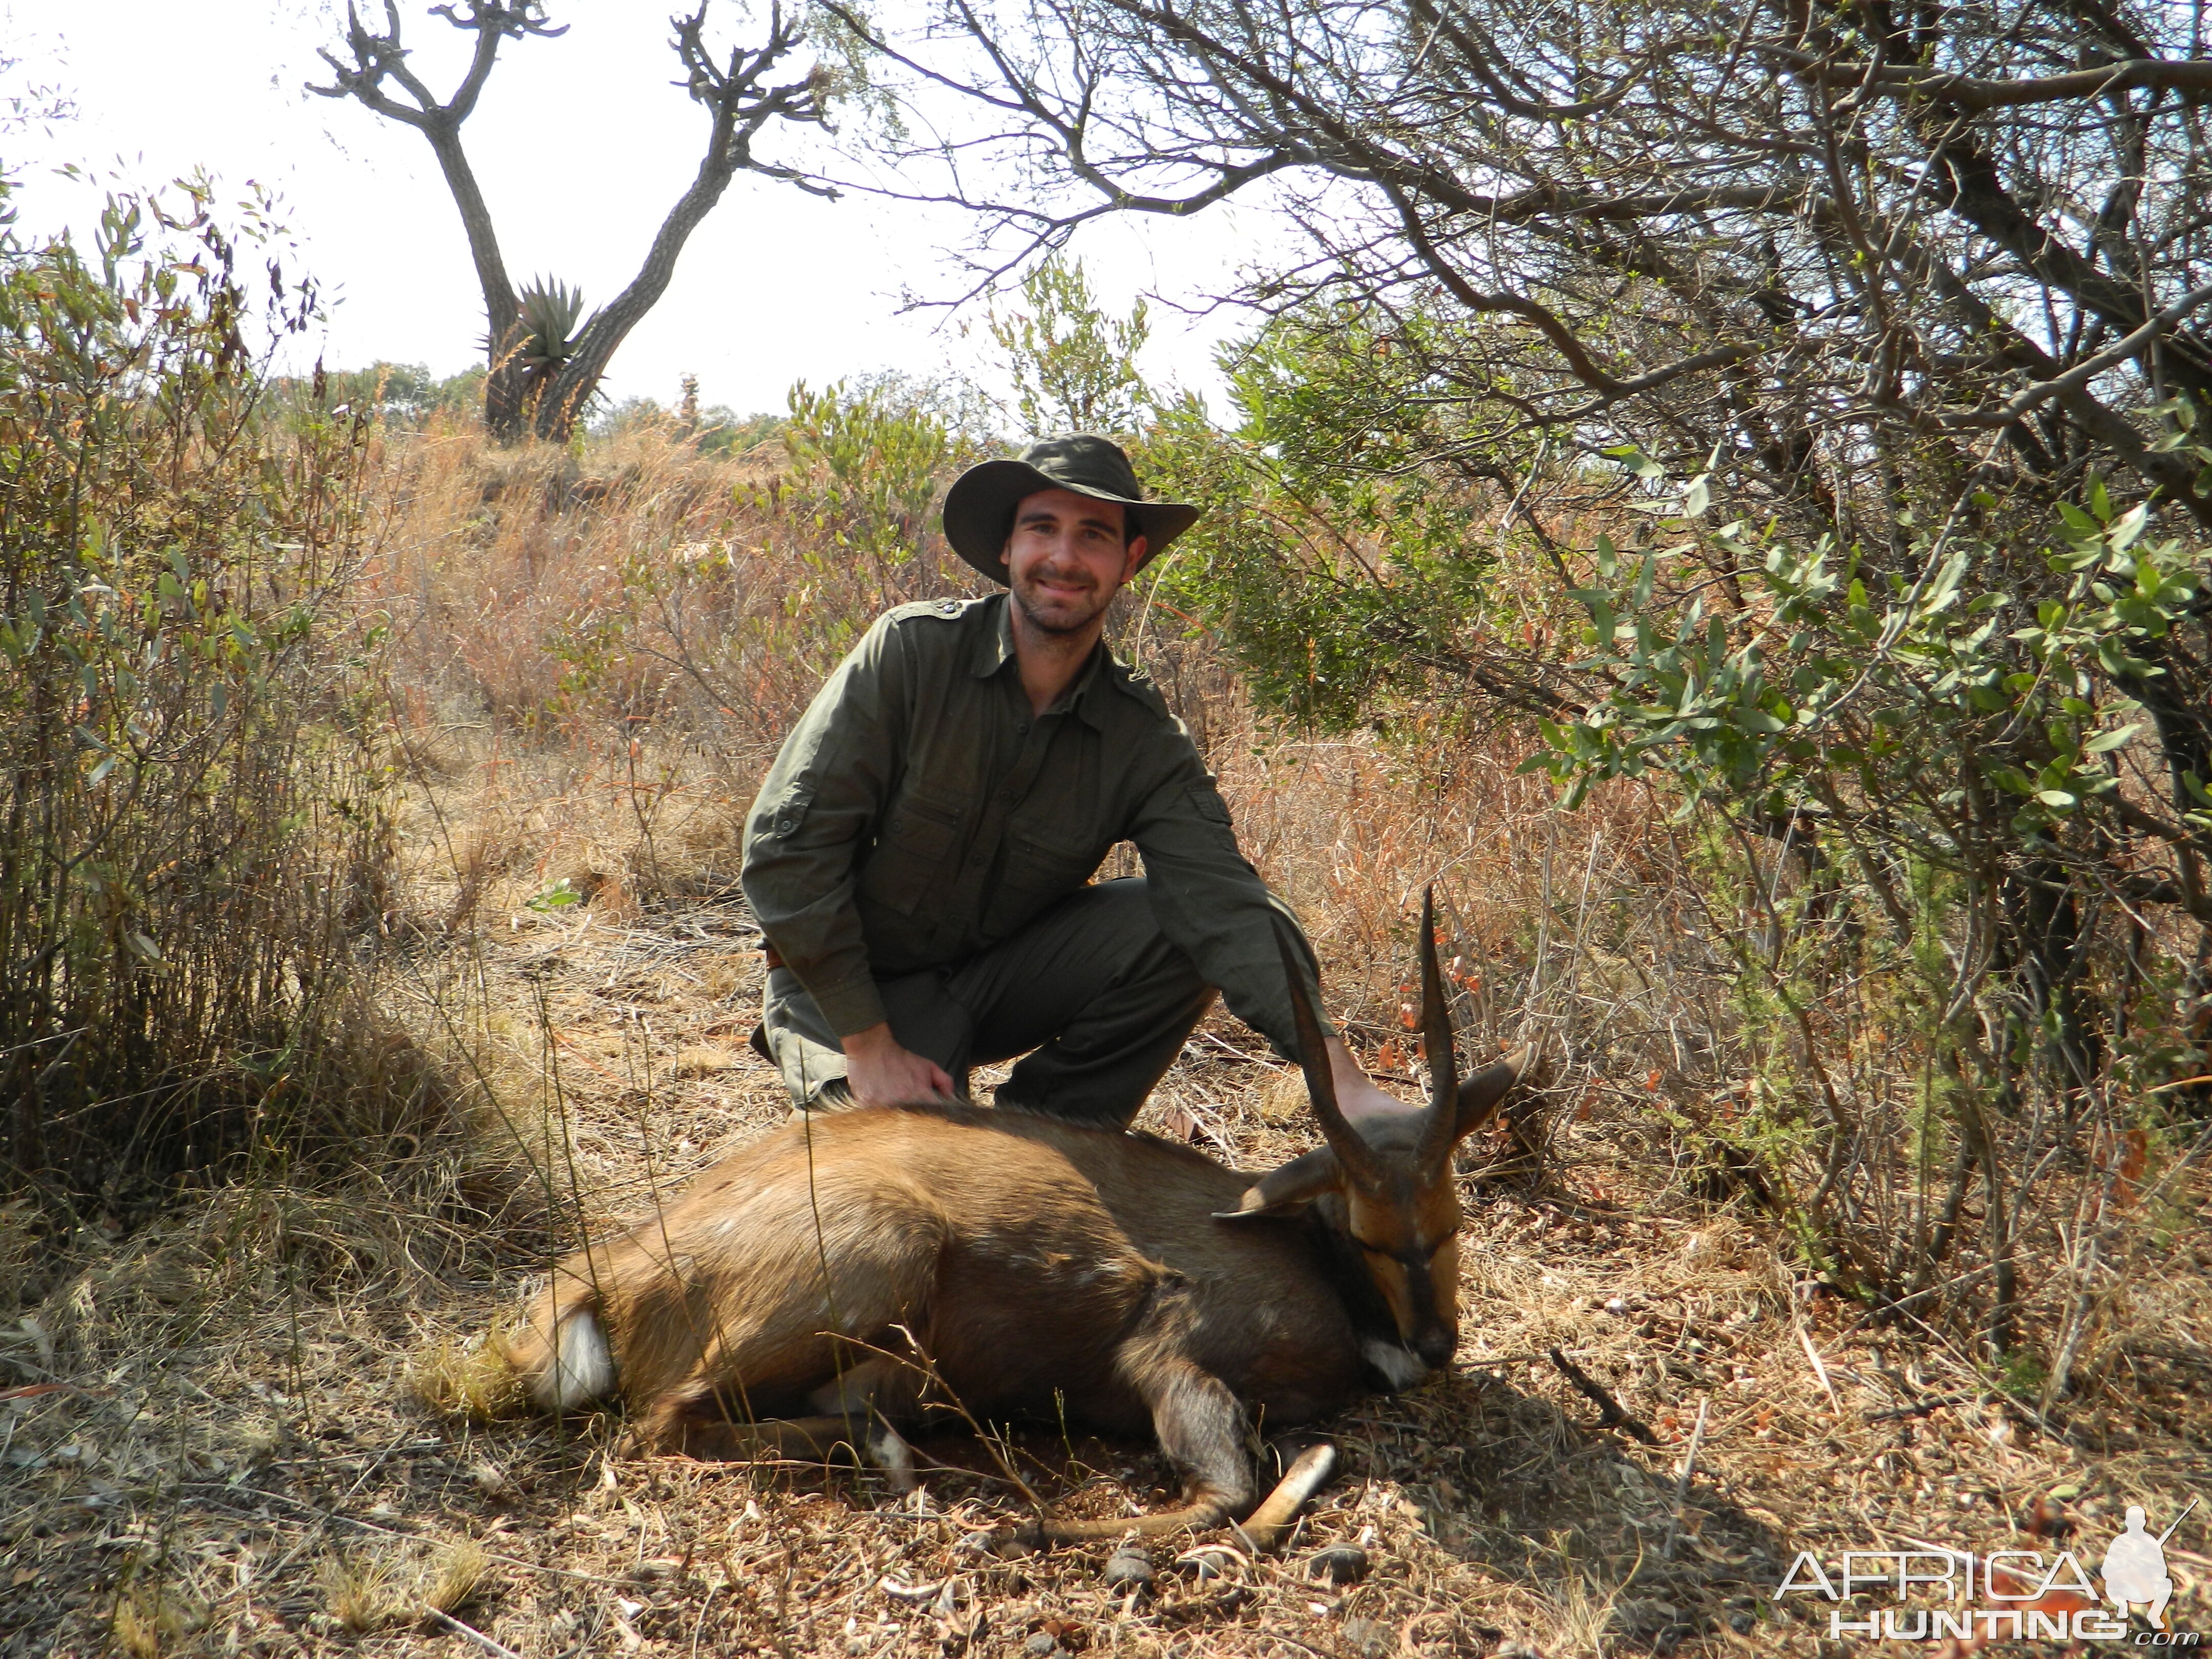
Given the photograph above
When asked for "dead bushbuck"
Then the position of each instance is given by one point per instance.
(859, 1265)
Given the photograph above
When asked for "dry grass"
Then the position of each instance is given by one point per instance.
(267, 1424)
(466, 1377)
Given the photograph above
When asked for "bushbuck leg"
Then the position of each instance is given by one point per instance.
(1268, 1525)
(857, 1409)
(1201, 1429)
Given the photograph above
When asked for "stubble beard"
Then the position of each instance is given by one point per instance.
(1064, 617)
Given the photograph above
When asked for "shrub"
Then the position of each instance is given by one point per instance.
(189, 837)
(1998, 887)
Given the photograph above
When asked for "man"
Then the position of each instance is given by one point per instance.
(2135, 1569)
(920, 857)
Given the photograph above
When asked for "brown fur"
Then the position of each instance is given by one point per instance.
(872, 1263)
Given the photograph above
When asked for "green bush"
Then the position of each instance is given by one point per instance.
(190, 841)
(1961, 753)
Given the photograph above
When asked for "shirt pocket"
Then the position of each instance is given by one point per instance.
(912, 855)
(1038, 870)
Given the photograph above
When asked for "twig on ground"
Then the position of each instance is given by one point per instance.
(326, 1516)
(1820, 1371)
(1610, 1414)
(1918, 1409)
(497, 1650)
(1682, 1483)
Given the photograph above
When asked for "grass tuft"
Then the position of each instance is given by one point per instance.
(468, 1379)
(152, 1621)
(363, 1592)
(455, 1573)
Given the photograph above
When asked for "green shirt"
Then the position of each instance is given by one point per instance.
(920, 812)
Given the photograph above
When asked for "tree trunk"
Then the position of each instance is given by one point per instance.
(564, 400)
(505, 414)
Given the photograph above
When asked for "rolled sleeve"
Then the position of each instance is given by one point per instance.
(1213, 907)
(815, 812)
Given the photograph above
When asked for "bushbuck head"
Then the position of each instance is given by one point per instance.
(1385, 1183)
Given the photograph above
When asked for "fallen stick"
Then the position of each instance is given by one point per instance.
(1270, 1524)
(1820, 1371)
(1682, 1484)
(1918, 1409)
(497, 1650)
(1609, 1413)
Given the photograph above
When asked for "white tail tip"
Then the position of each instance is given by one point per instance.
(583, 1368)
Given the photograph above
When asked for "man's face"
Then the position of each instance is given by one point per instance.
(1065, 559)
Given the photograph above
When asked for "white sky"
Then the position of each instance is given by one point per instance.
(581, 145)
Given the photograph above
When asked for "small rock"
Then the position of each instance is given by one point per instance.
(1129, 1567)
(1208, 1563)
(1369, 1638)
(491, 1480)
(1042, 1643)
(1742, 1621)
(1339, 1564)
(1617, 1305)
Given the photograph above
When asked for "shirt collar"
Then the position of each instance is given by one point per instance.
(995, 649)
(994, 645)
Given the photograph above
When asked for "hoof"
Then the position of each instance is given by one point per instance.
(1339, 1564)
(1208, 1562)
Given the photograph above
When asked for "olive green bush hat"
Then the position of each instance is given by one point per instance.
(979, 508)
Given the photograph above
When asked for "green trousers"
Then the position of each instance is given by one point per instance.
(1090, 993)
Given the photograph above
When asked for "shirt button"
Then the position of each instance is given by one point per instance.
(1023, 730)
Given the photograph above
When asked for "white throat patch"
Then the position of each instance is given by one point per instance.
(1399, 1368)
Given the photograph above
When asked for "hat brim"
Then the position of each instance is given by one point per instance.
(979, 513)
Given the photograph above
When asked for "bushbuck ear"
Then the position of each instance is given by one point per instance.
(1481, 1094)
(1287, 1190)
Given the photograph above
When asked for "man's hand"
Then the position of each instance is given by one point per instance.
(880, 1072)
(1357, 1096)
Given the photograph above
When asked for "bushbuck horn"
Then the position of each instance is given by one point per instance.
(1441, 1132)
(1352, 1151)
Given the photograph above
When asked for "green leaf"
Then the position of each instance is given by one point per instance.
(1636, 461)
(557, 896)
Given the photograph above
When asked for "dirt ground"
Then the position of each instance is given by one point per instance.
(216, 1440)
